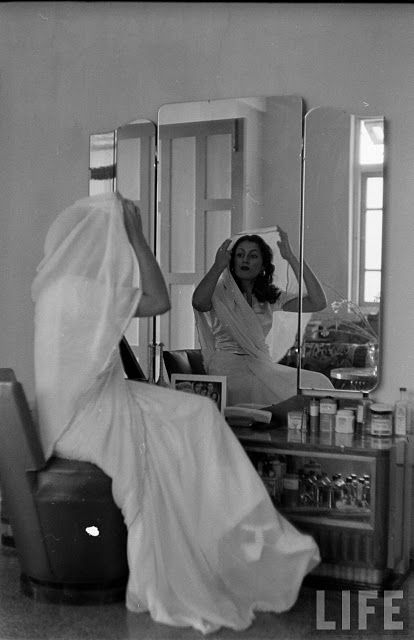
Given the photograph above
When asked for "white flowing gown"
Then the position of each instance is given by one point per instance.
(206, 547)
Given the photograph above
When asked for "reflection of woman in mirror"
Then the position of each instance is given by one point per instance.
(184, 386)
(234, 305)
(205, 544)
(210, 389)
(215, 396)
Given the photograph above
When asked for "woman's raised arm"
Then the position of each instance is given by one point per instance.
(154, 299)
(204, 291)
(315, 298)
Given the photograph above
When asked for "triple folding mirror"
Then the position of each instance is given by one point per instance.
(212, 169)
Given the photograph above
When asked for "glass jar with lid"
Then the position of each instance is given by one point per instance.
(381, 419)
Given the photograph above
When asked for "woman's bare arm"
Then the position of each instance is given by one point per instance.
(315, 298)
(204, 291)
(154, 299)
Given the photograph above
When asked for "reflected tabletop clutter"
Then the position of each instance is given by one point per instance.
(354, 378)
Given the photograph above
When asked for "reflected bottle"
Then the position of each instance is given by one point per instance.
(326, 491)
(161, 382)
(338, 489)
(366, 498)
(151, 362)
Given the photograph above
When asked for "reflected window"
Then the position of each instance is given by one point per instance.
(369, 208)
(102, 163)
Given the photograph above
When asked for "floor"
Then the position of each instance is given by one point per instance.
(22, 618)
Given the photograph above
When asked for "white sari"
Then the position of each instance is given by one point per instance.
(252, 375)
(206, 548)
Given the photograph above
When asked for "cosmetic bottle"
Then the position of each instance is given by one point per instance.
(362, 416)
(314, 415)
(327, 413)
(401, 414)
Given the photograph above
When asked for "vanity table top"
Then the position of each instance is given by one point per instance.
(281, 437)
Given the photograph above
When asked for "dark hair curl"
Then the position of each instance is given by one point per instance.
(263, 288)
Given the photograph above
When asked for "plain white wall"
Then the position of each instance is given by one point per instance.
(70, 69)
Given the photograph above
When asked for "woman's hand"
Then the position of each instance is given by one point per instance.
(222, 259)
(284, 245)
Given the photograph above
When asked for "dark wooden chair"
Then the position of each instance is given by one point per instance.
(130, 363)
(69, 535)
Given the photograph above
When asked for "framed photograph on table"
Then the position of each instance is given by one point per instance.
(213, 387)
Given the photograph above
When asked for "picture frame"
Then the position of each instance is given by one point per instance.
(214, 387)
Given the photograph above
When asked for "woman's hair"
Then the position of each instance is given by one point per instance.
(263, 288)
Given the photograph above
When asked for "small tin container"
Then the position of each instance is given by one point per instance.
(344, 439)
(297, 435)
(296, 420)
(344, 421)
(381, 420)
(327, 412)
(379, 442)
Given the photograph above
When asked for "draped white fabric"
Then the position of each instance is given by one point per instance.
(84, 298)
(206, 547)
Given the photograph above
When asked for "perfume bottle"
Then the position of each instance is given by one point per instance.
(161, 382)
(314, 414)
(362, 417)
(401, 414)
(151, 363)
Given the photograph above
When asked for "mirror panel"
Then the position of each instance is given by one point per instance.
(224, 166)
(124, 159)
(342, 242)
(230, 165)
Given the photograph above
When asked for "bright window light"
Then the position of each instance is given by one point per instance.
(371, 142)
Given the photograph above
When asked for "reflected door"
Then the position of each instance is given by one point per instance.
(200, 182)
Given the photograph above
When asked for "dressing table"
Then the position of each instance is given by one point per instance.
(364, 542)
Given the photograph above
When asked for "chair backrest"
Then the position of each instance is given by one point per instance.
(130, 363)
(184, 361)
(20, 452)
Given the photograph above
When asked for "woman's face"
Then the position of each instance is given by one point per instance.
(248, 261)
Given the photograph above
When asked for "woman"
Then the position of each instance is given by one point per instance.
(206, 547)
(234, 305)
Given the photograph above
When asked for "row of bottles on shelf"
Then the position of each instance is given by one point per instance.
(325, 415)
(311, 486)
